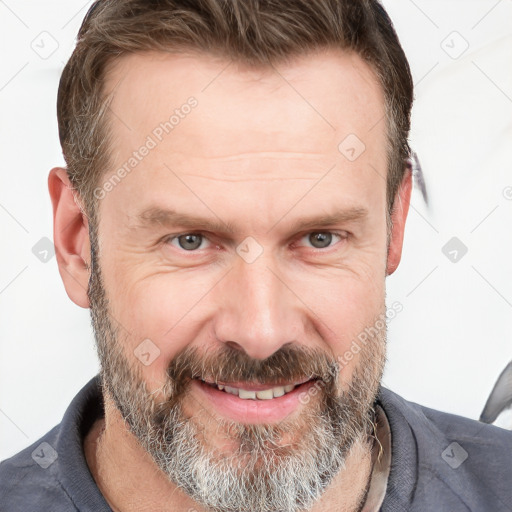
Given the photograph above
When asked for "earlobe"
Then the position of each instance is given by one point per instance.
(398, 218)
(70, 236)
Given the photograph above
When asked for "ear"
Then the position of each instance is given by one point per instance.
(70, 236)
(398, 218)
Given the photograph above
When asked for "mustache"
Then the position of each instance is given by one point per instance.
(289, 364)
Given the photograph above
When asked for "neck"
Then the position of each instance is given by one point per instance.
(130, 481)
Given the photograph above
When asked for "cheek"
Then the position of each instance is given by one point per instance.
(164, 308)
(344, 308)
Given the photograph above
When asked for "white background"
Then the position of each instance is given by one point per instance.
(453, 337)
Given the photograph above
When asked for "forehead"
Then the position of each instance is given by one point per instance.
(248, 126)
(331, 91)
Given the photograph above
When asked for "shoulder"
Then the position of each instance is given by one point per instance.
(458, 460)
(30, 481)
(438, 424)
(52, 473)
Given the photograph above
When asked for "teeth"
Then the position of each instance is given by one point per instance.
(265, 394)
(251, 395)
(279, 391)
(233, 391)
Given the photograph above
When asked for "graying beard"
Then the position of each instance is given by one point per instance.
(260, 480)
(245, 481)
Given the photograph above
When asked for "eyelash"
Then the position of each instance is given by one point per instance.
(342, 235)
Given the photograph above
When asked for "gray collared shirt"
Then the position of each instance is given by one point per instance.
(437, 462)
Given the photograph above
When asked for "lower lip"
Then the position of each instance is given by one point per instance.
(253, 411)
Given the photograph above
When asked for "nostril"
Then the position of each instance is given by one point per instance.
(234, 345)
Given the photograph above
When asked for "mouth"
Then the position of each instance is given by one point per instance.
(254, 392)
(254, 403)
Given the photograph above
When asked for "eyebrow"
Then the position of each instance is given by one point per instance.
(160, 217)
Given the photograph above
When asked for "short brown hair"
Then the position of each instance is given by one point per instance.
(252, 32)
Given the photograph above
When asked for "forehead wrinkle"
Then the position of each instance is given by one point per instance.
(284, 169)
(234, 179)
(278, 154)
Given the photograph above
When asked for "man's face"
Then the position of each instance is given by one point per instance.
(245, 248)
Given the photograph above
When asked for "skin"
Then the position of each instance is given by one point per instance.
(258, 152)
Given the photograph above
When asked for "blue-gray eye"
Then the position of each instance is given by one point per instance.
(320, 240)
(190, 241)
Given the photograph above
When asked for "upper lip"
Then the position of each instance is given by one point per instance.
(256, 387)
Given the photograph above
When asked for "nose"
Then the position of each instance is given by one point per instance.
(256, 311)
